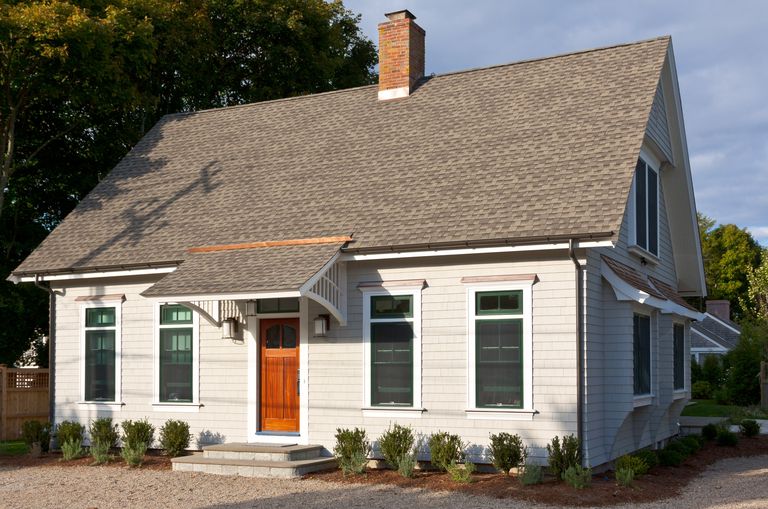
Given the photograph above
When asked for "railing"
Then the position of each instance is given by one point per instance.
(23, 397)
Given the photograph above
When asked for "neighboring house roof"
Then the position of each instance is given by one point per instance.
(541, 149)
(712, 329)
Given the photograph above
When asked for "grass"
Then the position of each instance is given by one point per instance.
(12, 448)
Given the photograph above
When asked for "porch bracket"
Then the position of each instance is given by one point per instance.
(210, 318)
(328, 288)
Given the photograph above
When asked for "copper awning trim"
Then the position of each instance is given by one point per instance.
(271, 243)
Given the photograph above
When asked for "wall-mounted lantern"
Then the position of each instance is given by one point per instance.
(250, 308)
(229, 328)
(322, 324)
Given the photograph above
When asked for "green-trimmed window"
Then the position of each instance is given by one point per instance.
(280, 305)
(100, 337)
(176, 354)
(499, 349)
(392, 341)
(642, 354)
(678, 334)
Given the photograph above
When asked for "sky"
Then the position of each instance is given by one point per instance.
(721, 53)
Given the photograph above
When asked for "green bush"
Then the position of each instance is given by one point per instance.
(701, 390)
(637, 465)
(727, 438)
(691, 442)
(578, 476)
(507, 451)
(678, 446)
(709, 432)
(721, 396)
(104, 433)
(69, 431)
(99, 452)
(563, 456)
(137, 433)
(743, 361)
(71, 449)
(395, 443)
(133, 453)
(531, 474)
(712, 371)
(174, 437)
(669, 458)
(749, 427)
(406, 464)
(461, 473)
(444, 449)
(625, 476)
(351, 450)
(36, 432)
(648, 456)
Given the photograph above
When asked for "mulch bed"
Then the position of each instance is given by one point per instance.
(660, 483)
(154, 460)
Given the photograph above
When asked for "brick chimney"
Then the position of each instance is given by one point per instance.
(719, 308)
(401, 55)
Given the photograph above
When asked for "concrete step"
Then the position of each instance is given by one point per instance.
(262, 452)
(251, 468)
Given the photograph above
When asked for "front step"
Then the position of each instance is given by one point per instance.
(256, 460)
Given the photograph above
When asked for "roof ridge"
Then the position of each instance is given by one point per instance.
(449, 73)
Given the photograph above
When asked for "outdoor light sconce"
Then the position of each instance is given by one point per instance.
(322, 324)
(250, 308)
(228, 328)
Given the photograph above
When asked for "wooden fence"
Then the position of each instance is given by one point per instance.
(23, 397)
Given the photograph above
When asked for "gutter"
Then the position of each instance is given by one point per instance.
(51, 345)
(579, 350)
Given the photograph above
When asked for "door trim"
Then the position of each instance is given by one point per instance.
(285, 395)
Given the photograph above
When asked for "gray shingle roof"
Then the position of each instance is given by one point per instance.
(542, 148)
(713, 329)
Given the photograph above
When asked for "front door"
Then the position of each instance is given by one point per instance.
(279, 341)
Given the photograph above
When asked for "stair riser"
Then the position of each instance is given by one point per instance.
(247, 471)
(263, 456)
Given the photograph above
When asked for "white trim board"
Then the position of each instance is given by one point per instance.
(117, 305)
(93, 275)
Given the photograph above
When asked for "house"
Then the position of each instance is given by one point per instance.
(497, 249)
(715, 335)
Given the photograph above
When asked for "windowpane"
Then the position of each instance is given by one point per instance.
(641, 230)
(642, 354)
(289, 336)
(499, 367)
(653, 212)
(175, 314)
(392, 364)
(176, 364)
(499, 303)
(100, 365)
(281, 305)
(392, 306)
(679, 339)
(273, 337)
(99, 317)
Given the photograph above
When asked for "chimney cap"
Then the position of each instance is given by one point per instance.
(403, 14)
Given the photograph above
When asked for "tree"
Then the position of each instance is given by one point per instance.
(756, 303)
(729, 254)
(743, 364)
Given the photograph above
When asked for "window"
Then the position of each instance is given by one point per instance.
(642, 354)
(646, 207)
(176, 354)
(281, 305)
(100, 356)
(393, 349)
(679, 356)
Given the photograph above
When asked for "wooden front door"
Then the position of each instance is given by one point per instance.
(279, 341)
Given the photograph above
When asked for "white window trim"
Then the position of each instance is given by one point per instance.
(161, 406)
(527, 411)
(117, 304)
(416, 409)
(645, 399)
(655, 165)
(679, 393)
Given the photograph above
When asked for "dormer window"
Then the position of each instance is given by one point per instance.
(646, 207)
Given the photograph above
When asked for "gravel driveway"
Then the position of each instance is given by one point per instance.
(732, 483)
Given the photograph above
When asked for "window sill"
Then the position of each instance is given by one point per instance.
(644, 254)
(501, 414)
(644, 400)
(102, 405)
(393, 412)
(680, 394)
(176, 407)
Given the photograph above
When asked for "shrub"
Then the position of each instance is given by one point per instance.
(104, 433)
(742, 378)
(712, 371)
(749, 427)
(461, 473)
(648, 456)
(578, 476)
(532, 474)
(721, 396)
(100, 452)
(406, 464)
(444, 449)
(637, 465)
(395, 443)
(670, 458)
(69, 431)
(679, 447)
(352, 449)
(709, 432)
(133, 453)
(701, 390)
(36, 432)
(692, 443)
(71, 449)
(174, 437)
(507, 451)
(563, 456)
(625, 476)
(138, 433)
(727, 438)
